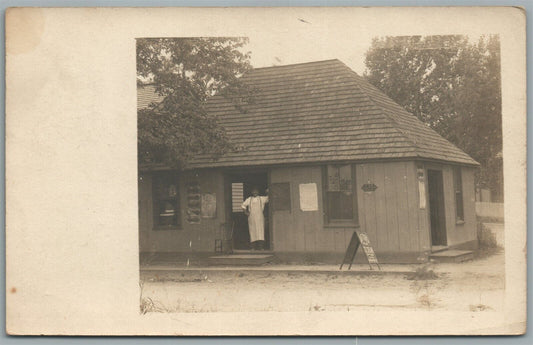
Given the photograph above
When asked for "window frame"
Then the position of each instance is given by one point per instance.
(458, 191)
(166, 176)
(339, 223)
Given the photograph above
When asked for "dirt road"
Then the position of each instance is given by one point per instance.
(475, 286)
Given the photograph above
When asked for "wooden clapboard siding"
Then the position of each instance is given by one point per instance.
(424, 238)
(412, 203)
(391, 211)
(449, 202)
(325, 239)
(361, 202)
(299, 231)
(389, 215)
(382, 231)
(309, 218)
(422, 214)
(369, 203)
(200, 236)
(282, 220)
(339, 238)
(401, 200)
(145, 211)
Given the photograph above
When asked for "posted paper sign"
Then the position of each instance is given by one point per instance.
(308, 197)
(209, 205)
(422, 194)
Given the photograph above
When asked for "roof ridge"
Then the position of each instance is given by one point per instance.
(297, 64)
(396, 125)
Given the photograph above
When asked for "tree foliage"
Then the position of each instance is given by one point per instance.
(186, 71)
(451, 84)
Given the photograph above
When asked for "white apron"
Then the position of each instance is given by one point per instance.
(256, 218)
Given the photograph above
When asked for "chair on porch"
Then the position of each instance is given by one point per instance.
(224, 238)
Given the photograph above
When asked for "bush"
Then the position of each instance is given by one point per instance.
(485, 237)
(423, 273)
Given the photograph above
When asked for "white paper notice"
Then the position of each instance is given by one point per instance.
(308, 197)
(422, 194)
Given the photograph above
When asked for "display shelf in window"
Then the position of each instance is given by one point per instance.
(166, 202)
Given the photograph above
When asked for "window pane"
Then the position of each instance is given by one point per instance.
(333, 183)
(339, 192)
(345, 178)
(340, 205)
(166, 196)
(459, 205)
(458, 186)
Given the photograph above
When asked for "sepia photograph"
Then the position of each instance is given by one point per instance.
(257, 184)
(298, 171)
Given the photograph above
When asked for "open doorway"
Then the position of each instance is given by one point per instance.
(240, 187)
(436, 208)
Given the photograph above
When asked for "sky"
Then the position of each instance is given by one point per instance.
(290, 36)
(290, 47)
(313, 36)
(352, 55)
(350, 51)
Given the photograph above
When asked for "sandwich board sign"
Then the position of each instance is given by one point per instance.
(360, 239)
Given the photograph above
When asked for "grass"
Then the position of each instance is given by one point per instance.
(486, 251)
(487, 245)
(424, 272)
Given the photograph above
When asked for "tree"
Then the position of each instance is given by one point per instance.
(452, 85)
(186, 71)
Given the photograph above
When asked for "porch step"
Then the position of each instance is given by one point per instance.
(452, 256)
(240, 259)
(253, 252)
(436, 249)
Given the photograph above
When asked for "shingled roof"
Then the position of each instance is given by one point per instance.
(322, 112)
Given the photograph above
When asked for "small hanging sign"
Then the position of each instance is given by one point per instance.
(369, 187)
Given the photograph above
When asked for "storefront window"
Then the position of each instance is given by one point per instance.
(166, 201)
(340, 194)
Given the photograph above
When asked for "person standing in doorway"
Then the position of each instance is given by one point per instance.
(253, 207)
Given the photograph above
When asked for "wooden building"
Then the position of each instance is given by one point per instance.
(337, 155)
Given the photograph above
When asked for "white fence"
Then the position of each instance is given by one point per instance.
(489, 209)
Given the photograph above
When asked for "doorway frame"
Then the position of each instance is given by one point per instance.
(442, 203)
(229, 174)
